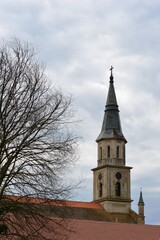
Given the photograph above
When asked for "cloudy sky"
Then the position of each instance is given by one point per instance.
(78, 41)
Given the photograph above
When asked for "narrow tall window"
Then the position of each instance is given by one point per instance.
(108, 151)
(124, 154)
(100, 189)
(3, 229)
(118, 189)
(100, 152)
(117, 152)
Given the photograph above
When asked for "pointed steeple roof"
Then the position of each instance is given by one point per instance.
(111, 127)
(141, 202)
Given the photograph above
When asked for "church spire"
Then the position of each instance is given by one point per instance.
(141, 202)
(111, 127)
(141, 218)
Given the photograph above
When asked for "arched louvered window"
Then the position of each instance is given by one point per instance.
(100, 153)
(124, 152)
(100, 189)
(108, 151)
(117, 153)
(118, 189)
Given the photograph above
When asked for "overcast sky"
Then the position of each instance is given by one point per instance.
(78, 41)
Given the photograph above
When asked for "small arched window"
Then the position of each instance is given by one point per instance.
(124, 153)
(100, 177)
(100, 153)
(108, 151)
(118, 189)
(117, 152)
(3, 229)
(100, 189)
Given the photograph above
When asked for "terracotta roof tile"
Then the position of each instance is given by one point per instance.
(94, 230)
(75, 210)
(77, 204)
(90, 222)
(83, 204)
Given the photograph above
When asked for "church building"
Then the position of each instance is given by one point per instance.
(109, 216)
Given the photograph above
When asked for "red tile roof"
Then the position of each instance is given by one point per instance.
(77, 210)
(94, 230)
(76, 204)
(91, 229)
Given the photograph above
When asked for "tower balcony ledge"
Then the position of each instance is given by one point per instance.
(110, 166)
(114, 199)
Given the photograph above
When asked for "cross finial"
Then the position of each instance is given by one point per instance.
(111, 77)
(111, 69)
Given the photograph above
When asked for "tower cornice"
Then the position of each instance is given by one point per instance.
(111, 166)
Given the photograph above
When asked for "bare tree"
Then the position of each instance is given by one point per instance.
(36, 142)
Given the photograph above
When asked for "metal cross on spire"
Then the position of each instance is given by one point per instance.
(111, 77)
(111, 69)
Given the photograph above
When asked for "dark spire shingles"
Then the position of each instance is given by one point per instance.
(111, 127)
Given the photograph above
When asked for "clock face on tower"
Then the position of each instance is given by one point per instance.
(118, 175)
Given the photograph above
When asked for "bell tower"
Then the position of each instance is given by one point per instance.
(111, 177)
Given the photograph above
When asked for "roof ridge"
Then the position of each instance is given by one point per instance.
(57, 202)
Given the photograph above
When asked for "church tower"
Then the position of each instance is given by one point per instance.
(111, 177)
